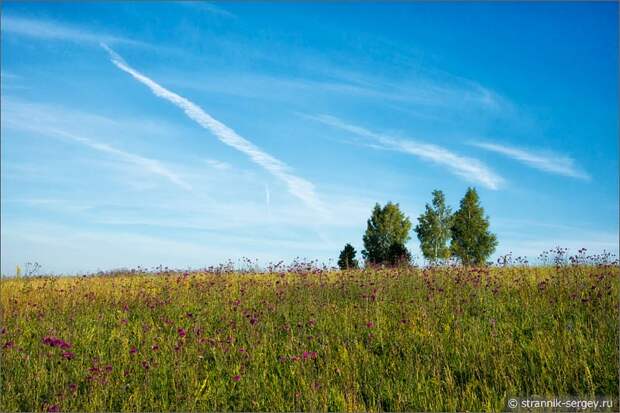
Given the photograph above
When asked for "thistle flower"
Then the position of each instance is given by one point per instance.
(56, 342)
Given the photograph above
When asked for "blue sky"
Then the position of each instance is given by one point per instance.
(188, 133)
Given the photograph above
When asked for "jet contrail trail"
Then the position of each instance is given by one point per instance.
(468, 168)
(299, 187)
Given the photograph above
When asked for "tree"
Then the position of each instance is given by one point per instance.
(347, 259)
(471, 240)
(386, 226)
(434, 228)
(398, 254)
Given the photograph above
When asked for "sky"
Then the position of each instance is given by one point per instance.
(185, 134)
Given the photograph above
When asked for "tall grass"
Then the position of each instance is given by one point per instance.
(436, 339)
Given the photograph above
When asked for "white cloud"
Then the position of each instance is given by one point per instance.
(51, 30)
(468, 168)
(548, 162)
(153, 166)
(222, 166)
(208, 7)
(149, 165)
(298, 187)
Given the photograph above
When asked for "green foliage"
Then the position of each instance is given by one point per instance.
(472, 242)
(434, 228)
(439, 339)
(347, 259)
(398, 255)
(386, 226)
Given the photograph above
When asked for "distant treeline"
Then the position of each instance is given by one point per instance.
(463, 235)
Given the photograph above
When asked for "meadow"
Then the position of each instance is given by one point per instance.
(304, 338)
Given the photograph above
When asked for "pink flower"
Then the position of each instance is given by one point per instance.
(133, 350)
(67, 355)
(56, 342)
(182, 332)
(236, 378)
(154, 347)
(370, 324)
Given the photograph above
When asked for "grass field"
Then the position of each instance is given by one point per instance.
(437, 339)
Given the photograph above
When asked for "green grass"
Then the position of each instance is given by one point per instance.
(385, 340)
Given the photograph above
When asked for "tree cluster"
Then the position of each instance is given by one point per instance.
(463, 234)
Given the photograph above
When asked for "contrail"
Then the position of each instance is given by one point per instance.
(468, 168)
(550, 162)
(298, 187)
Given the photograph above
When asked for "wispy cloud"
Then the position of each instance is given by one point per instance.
(548, 162)
(51, 30)
(298, 187)
(209, 8)
(468, 168)
(423, 96)
(149, 165)
(222, 166)
(267, 196)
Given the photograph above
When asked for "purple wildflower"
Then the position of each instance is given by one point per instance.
(56, 342)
